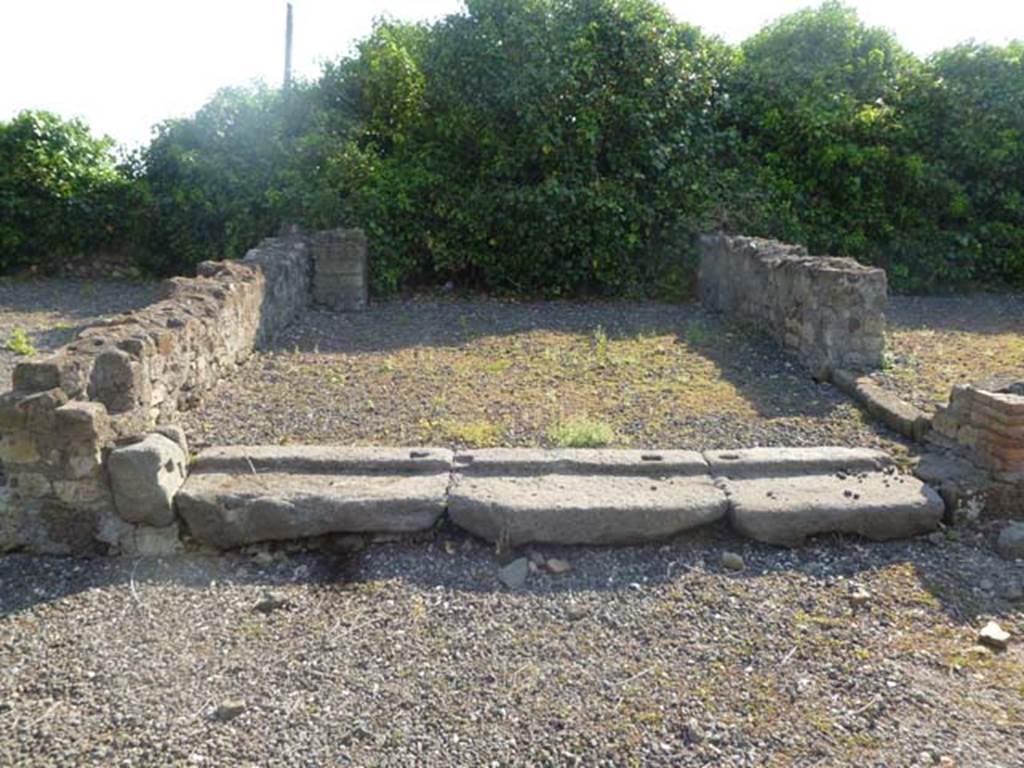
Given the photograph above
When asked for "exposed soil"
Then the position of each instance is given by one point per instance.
(936, 342)
(414, 654)
(487, 372)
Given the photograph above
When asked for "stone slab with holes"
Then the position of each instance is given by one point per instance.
(244, 495)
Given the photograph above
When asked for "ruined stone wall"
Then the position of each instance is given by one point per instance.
(125, 378)
(830, 312)
(987, 421)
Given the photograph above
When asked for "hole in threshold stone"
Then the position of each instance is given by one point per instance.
(418, 454)
(729, 457)
(651, 457)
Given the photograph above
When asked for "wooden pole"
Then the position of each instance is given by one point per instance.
(288, 49)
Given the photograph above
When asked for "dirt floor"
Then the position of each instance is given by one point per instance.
(936, 342)
(837, 654)
(486, 372)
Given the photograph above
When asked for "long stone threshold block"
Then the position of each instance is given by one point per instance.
(582, 497)
(875, 505)
(241, 495)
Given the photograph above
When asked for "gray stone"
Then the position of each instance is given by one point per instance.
(175, 434)
(994, 636)
(230, 500)
(860, 597)
(582, 509)
(558, 566)
(270, 602)
(733, 561)
(564, 496)
(1011, 541)
(898, 415)
(322, 460)
(514, 574)
(228, 710)
(146, 541)
(782, 462)
(144, 477)
(569, 461)
(786, 510)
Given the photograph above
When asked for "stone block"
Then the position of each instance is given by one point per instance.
(115, 381)
(340, 269)
(144, 478)
(37, 375)
(77, 420)
(878, 506)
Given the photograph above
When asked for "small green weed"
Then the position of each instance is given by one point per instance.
(498, 366)
(580, 433)
(478, 434)
(20, 344)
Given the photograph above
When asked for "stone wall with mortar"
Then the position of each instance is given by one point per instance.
(126, 378)
(829, 312)
(340, 269)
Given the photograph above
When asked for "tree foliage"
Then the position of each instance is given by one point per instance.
(61, 191)
(571, 147)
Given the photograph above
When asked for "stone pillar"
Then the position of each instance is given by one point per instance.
(340, 269)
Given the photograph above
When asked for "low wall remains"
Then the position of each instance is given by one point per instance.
(987, 421)
(123, 382)
(829, 312)
(340, 269)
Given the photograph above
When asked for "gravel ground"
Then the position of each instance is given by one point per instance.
(412, 653)
(936, 342)
(487, 372)
(52, 312)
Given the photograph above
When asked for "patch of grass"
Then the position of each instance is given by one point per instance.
(580, 433)
(478, 434)
(20, 344)
(697, 333)
(498, 366)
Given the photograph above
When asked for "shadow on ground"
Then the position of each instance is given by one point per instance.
(962, 577)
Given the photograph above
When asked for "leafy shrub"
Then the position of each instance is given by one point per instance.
(214, 183)
(529, 147)
(61, 191)
(566, 147)
(973, 130)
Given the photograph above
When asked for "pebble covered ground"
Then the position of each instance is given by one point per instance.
(935, 342)
(51, 312)
(480, 372)
(842, 653)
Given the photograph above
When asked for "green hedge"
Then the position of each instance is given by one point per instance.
(61, 192)
(569, 147)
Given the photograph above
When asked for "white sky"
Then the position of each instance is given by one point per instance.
(124, 65)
